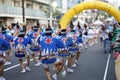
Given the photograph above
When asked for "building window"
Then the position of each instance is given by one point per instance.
(42, 7)
(16, 3)
(29, 5)
(3, 2)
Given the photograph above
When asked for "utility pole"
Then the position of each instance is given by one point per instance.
(23, 10)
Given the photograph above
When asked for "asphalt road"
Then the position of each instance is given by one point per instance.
(92, 66)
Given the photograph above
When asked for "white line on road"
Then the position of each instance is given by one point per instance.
(107, 65)
(15, 66)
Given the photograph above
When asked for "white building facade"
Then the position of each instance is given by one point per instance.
(11, 10)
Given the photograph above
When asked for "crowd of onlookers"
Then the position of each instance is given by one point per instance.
(107, 33)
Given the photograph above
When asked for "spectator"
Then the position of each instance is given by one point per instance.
(105, 37)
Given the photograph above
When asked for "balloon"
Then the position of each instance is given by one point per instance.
(89, 5)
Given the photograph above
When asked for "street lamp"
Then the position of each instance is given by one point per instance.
(53, 4)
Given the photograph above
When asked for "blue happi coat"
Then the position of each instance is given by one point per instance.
(67, 43)
(64, 50)
(6, 37)
(49, 45)
(4, 45)
(76, 41)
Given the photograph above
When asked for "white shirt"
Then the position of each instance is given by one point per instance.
(104, 35)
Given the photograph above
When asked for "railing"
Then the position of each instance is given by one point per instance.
(34, 13)
(5, 9)
(44, 1)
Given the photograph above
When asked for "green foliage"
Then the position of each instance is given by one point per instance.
(104, 14)
(48, 9)
(56, 13)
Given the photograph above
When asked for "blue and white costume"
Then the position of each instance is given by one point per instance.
(76, 42)
(85, 37)
(63, 52)
(33, 36)
(20, 45)
(6, 37)
(49, 47)
(4, 45)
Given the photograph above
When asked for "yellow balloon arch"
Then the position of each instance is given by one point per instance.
(89, 5)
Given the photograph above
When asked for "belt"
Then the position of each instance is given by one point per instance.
(107, 39)
(17, 51)
(48, 56)
(63, 51)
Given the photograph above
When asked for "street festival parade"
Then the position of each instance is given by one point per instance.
(59, 39)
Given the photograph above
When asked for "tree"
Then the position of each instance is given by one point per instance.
(47, 10)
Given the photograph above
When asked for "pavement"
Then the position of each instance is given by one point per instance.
(93, 65)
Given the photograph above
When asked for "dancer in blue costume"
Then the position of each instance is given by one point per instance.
(35, 47)
(85, 36)
(21, 45)
(63, 52)
(49, 47)
(4, 45)
(75, 48)
(8, 38)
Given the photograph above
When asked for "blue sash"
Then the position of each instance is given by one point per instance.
(35, 49)
(20, 55)
(63, 54)
(73, 49)
(48, 61)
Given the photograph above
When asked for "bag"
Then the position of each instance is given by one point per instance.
(116, 54)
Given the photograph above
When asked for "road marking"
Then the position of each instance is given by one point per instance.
(107, 65)
(15, 66)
